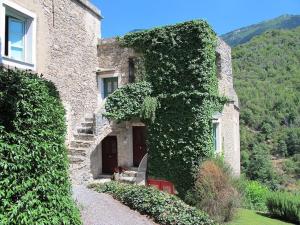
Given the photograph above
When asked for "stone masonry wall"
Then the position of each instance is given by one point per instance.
(113, 62)
(67, 39)
(114, 58)
(229, 121)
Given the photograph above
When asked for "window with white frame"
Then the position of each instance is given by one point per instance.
(18, 28)
(216, 132)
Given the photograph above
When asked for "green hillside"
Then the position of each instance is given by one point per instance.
(245, 34)
(267, 79)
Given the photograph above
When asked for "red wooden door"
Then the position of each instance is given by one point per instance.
(109, 154)
(139, 144)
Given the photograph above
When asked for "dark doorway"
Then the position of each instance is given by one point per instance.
(139, 144)
(109, 154)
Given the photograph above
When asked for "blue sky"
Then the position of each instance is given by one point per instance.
(121, 16)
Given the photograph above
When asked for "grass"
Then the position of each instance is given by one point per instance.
(249, 217)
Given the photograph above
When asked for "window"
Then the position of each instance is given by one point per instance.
(110, 85)
(131, 70)
(18, 36)
(15, 41)
(214, 132)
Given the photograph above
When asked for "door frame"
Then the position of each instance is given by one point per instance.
(114, 137)
(133, 143)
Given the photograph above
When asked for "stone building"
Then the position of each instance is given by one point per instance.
(62, 40)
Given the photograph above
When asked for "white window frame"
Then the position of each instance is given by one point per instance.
(30, 30)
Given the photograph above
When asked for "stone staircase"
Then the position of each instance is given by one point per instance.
(84, 142)
(128, 176)
(131, 176)
(87, 136)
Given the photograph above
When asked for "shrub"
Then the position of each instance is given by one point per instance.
(126, 102)
(254, 195)
(260, 167)
(34, 184)
(165, 209)
(214, 192)
(293, 141)
(290, 166)
(296, 159)
(285, 206)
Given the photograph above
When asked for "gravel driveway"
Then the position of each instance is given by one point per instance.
(101, 209)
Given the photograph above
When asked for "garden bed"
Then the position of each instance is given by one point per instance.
(163, 208)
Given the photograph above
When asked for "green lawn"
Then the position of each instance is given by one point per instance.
(249, 217)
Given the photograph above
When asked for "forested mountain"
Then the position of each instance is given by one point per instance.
(245, 34)
(267, 79)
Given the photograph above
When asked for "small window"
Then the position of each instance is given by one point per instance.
(110, 85)
(216, 136)
(214, 133)
(131, 71)
(218, 64)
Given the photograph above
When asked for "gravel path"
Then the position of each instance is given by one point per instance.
(101, 209)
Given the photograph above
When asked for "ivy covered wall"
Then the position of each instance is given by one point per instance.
(179, 64)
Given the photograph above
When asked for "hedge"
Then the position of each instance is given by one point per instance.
(254, 194)
(165, 209)
(34, 183)
(284, 205)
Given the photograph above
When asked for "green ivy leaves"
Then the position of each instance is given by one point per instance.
(148, 109)
(34, 185)
(179, 64)
(126, 102)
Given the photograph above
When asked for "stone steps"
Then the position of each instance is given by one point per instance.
(84, 137)
(76, 159)
(87, 124)
(77, 151)
(128, 180)
(89, 119)
(85, 130)
(129, 173)
(128, 176)
(133, 169)
(81, 144)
